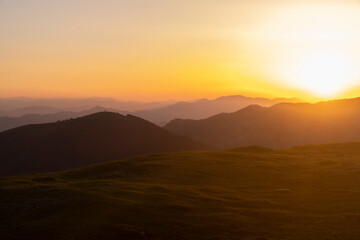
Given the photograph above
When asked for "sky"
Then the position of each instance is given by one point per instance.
(160, 49)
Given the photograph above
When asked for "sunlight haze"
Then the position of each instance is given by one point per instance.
(179, 49)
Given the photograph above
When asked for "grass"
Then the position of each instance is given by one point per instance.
(310, 192)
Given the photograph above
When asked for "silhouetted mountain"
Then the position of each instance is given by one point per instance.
(252, 193)
(282, 125)
(78, 142)
(203, 108)
(7, 123)
(195, 110)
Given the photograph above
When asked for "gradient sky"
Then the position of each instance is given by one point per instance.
(161, 49)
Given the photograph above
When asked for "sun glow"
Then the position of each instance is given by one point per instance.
(137, 50)
(324, 74)
(312, 47)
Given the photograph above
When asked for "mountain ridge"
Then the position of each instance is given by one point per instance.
(279, 126)
(204, 108)
(79, 142)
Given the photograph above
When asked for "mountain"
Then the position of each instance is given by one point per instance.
(282, 125)
(30, 110)
(79, 142)
(160, 116)
(76, 104)
(251, 193)
(204, 108)
(7, 123)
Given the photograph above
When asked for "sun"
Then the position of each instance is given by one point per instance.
(324, 74)
(311, 48)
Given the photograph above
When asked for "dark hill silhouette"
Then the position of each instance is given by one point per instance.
(204, 108)
(7, 123)
(78, 142)
(279, 126)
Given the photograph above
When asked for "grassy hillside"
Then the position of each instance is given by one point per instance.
(310, 192)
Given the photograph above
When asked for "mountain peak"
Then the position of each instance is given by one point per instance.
(282, 125)
(95, 138)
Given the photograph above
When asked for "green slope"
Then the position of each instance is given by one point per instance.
(310, 192)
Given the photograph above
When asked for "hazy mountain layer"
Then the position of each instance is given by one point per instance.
(250, 193)
(75, 104)
(30, 110)
(204, 108)
(282, 125)
(160, 116)
(79, 142)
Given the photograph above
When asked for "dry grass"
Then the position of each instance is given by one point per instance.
(310, 192)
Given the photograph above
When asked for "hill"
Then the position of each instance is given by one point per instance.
(280, 126)
(79, 142)
(203, 108)
(310, 192)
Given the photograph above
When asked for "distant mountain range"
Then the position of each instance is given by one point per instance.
(195, 110)
(282, 125)
(21, 105)
(79, 142)
(18, 112)
(204, 108)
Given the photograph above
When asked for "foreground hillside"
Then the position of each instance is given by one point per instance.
(280, 126)
(95, 138)
(310, 192)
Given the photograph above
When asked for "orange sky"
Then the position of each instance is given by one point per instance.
(158, 49)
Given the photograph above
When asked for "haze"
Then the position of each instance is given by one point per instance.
(157, 50)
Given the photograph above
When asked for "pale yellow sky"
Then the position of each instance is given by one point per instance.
(158, 49)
